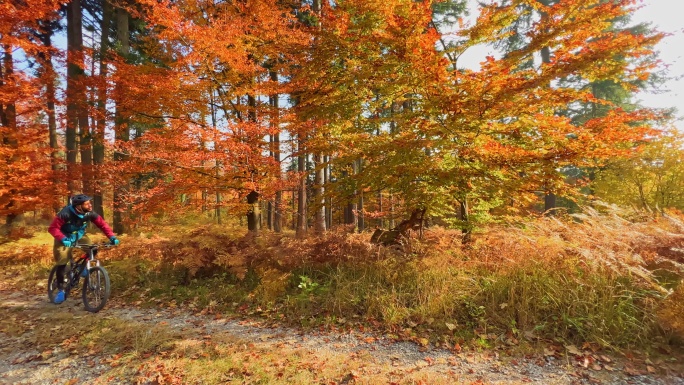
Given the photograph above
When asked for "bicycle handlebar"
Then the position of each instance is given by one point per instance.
(93, 246)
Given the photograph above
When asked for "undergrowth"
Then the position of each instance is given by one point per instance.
(606, 276)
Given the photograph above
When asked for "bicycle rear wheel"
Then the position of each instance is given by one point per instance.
(96, 289)
(53, 285)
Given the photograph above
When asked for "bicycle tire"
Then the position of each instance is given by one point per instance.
(96, 289)
(52, 286)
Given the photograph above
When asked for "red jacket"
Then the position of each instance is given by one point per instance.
(70, 224)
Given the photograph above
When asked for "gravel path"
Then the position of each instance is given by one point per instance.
(21, 362)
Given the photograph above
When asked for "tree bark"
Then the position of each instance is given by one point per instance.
(122, 131)
(391, 210)
(74, 70)
(319, 200)
(361, 221)
(100, 121)
(302, 216)
(253, 213)
(381, 221)
(8, 119)
(328, 200)
(49, 78)
(464, 216)
(275, 119)
(550, 196)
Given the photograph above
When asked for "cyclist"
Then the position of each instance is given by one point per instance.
(68, 228)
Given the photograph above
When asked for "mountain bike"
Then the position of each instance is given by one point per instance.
(96, 286)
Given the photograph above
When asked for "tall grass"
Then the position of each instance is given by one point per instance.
(607, 276)
(587, 277)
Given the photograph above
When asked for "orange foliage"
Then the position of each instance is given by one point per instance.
(367, 82)
(24, 152)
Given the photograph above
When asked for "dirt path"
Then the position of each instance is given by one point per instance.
(38, 346)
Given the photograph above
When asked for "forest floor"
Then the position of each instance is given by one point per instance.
(43, 343)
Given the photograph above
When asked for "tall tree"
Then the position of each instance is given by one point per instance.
(254, 211)
(121, 118)
(101, 102)
(9, 137)
(26, 176)
(274, 122)
(650, 178)
(495, 133)
(49, 77)
(607, 93)
(75, 92)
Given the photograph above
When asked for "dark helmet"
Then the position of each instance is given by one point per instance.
(79, 199)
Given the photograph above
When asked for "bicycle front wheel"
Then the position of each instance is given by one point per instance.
(54, 286)
(96, 289)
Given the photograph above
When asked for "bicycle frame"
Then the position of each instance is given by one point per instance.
(96, 285)
(90, 251)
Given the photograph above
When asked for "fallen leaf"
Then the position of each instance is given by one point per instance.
(572, 349)
(605, 358)
(632, 371)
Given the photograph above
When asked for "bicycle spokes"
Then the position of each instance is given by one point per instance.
(96, 289)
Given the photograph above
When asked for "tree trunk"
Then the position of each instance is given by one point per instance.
(85, 142)
(319, 200)
(381, 221)
(294, 210)
(361, 221)
(49, 78)
(253, 213)
(269, 205)
(464, 216)
(275, 121)
(328, 200)
(212, 107)
(302, 225)
(351, 211)
(8, 119)
(550, 197)
(218, 207)
(122, 131)
(8, 114)
(100, 121)
(74, 71)
(391, 211)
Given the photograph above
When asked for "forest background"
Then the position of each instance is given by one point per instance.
(253, 144)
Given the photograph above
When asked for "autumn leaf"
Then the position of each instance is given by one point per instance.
(572, 349)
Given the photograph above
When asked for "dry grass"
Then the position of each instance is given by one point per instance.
(606, 276)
